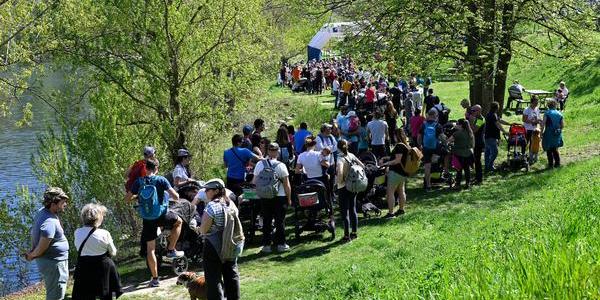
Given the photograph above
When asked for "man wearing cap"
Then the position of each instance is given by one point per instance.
(247, 140)
(182, 173)
(138, 169)
(49, 246)
(168, 220)
(275, 208)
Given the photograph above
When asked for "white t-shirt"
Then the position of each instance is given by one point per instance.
(532, 114)
(378, 130)
(335, 86)
(280, 170)
(99, 242)
(311, 163)
(326, 141)
(417, 99)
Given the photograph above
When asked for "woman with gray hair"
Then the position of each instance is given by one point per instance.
(95, 273)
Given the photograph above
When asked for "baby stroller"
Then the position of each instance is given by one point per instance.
(309, 199)
(249, 207)
(516, 160)
(437, 161)
(189, 241)
(373, 197)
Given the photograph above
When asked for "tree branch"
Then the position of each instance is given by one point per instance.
(37, 17)
(537, 48)
(202, 57)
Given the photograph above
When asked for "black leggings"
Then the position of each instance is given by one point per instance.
(478, 167)
(348, 210)
(553, 157)
(466, 168)
(274, 209)
(220, 274)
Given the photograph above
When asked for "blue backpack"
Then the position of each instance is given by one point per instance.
(430, 139)
(149, 206)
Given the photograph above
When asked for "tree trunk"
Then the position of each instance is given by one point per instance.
(505, 54)
(473, 62)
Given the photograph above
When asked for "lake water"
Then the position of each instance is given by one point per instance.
(17, 145)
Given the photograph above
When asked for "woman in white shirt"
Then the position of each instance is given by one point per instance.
(311, 162)
(95, 273)
(531, 119)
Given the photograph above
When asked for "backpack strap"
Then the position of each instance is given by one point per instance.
(84, 241)
(234, 153)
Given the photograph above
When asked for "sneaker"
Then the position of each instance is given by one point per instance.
(346, 239)
(399, 212)
(175, 253)
(353, 236)
(389, 216)
(283, 248)
(154, 283)
(266, 249)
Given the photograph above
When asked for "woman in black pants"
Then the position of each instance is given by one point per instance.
(347, 198)
(219, 275)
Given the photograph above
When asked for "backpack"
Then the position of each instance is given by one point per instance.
(149, 206)
(412, 161)
(430, 139)
(286, 156)
(354, 124)
(233, 234)
(267, 182)
(443, 115)
(356, 181)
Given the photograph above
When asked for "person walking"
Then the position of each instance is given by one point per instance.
(396, 177)
(95, 274)
(167, 219)
(552, 127)
(378, 135)
(49, 246)
(492, 135)
(463, 151)
(275, 207)
(347, 199)
(477, 123)
(222, 277)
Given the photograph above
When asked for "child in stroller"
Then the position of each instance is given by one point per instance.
(516, 139)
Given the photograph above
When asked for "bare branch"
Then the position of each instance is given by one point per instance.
(537, 48)
(203, 56)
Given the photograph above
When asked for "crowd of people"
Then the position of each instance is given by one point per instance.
(393, 120)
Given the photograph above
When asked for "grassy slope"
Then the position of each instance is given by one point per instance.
(523, 236)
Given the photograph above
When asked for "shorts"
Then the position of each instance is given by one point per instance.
(149, 226)
(428, 153)
(394, 179)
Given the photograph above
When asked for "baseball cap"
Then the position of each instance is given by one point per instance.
(273, 146)
(53, 193)
(247, 129)
(351, 113)
(326, 125)
(215, 183)
(149, 150)
(183, 153)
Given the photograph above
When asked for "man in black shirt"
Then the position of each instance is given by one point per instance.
(492, 135)
(429, 100)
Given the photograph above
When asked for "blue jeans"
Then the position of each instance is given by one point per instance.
(491, 152)
(55, 274)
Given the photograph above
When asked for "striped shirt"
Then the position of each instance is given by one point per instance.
(215, 210)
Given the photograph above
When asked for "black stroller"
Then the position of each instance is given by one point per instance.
(310, 198)
(189, 241)
(374, 197)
